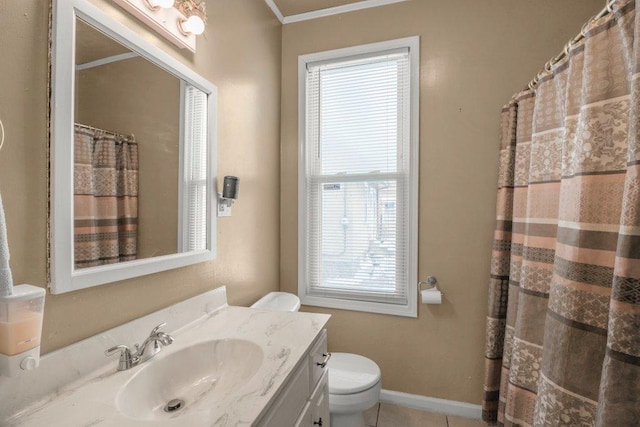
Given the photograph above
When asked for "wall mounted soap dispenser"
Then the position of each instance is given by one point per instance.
(21, 309)
(20, 329)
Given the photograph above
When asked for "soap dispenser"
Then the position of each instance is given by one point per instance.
(21, 315)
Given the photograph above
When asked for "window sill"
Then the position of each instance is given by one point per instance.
(409, 310)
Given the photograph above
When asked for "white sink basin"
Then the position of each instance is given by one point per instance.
(193, 378)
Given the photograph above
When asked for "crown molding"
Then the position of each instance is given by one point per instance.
(352, 7)
(276, 10)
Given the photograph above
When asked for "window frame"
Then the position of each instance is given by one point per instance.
(185, 242)
(410, 309)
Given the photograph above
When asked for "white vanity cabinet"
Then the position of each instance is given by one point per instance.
(304, 400)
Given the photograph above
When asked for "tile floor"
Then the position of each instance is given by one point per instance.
(388, 415)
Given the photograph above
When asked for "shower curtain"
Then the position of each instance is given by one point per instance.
(105, 197)
(563, 329)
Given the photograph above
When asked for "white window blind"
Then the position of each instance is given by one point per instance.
(195, 185)
(357, 179)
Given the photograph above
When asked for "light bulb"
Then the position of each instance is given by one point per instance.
(194, 24)
(165, 4)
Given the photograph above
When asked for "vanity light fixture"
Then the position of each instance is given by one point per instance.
(179, 21)
(196, 15)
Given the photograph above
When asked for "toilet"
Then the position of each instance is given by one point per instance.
(354, 380)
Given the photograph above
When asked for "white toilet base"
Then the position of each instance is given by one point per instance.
(347, 420)
(347, 409)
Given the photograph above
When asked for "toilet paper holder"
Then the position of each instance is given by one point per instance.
(431, 281)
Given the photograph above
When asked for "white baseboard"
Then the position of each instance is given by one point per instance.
(432, 404)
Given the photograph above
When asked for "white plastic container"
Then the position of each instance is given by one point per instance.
(21, 329)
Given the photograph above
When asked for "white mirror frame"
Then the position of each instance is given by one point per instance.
(63, 276)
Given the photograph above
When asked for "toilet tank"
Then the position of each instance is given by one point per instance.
(278, 301)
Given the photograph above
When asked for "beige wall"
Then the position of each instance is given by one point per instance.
(474, 56)
(240, 53)
(137, 97)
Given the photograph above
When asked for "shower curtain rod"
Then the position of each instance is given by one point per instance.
(608, 9)
(132, 136)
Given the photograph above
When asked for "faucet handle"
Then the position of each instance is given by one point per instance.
(157, 328)
(118, 348)
(126, 358)
(165, 338)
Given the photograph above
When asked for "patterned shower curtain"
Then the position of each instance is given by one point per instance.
(105, 197)
(563, 329)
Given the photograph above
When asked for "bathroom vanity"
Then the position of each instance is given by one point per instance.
(304, 399)
(227, 366)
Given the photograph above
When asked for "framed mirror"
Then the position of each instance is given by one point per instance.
(133, 154)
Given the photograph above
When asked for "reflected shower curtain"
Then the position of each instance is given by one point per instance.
(105, 197)
(563, 329)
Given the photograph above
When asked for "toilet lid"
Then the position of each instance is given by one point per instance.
(279, 301)
(351, 373)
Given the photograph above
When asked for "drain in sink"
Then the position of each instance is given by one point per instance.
(174, 405)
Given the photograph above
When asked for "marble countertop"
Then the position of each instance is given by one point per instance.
(284, 337)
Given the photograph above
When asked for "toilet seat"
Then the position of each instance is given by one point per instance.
(351, 374)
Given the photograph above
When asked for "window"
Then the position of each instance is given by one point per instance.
(358, 175)
(193, 236)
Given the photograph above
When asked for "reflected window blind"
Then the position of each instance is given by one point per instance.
(196, 169)
(357, 177)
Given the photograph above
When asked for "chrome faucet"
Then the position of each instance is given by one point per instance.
(149, 348)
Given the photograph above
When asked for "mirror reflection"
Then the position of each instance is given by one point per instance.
(133, 154)
(127, 133)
